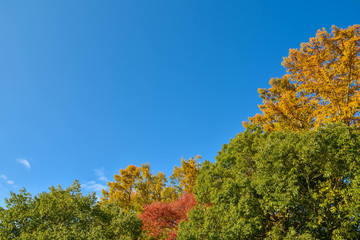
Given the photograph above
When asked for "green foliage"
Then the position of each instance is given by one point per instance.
(280, 185)
(115, 223)
(64, 214)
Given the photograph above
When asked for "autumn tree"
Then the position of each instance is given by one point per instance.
(122, 190)
(321, 85)
(185, 175)
(135, 187)
(160, 219)
(149, 187)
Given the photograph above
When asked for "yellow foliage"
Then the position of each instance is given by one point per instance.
(187, 173)
(122, 190)
(322, 84)
(135, 187)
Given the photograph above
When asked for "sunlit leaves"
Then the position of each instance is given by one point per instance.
(65, 214)
(322, 84)
(280, 185)
(186, 174)
(135, 187)
(122, 190)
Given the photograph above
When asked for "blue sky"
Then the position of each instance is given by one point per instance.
(89, 87)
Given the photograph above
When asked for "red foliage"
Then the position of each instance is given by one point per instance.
(160, 220)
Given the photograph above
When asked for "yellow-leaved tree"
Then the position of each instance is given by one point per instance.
(185, 175)
(122, 190)
(149, 187)
(322, 84)
(134, 187)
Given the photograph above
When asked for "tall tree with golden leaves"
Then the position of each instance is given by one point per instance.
(322, 84)
(149, 187)
(134, 187)
(122, 190)
(186, 174)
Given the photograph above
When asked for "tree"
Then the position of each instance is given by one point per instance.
(160, 219)
(65, 214)
(280, 185)
(322, 84)
(122, 189)
(135, 187)
(185, 175)
(149, 187)
(115, 223)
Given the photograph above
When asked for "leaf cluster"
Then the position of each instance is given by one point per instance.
(160, 219)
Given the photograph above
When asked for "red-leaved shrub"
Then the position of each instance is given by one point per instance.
(160, 220)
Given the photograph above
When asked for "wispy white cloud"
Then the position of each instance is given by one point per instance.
(10, 182)
(5, 178)
(24, 162)
(101, 175)
(94, 186)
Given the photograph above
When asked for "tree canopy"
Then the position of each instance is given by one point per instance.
(65, 214)
(280, 185)
(134, 187)
(321, 85)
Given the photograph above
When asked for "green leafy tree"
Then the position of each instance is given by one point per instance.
(115, 223)
(280, 185)
(64, 214)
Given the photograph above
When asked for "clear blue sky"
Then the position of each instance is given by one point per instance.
(89, 87)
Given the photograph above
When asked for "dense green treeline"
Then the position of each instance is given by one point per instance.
(280, 185)
(65, 214)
